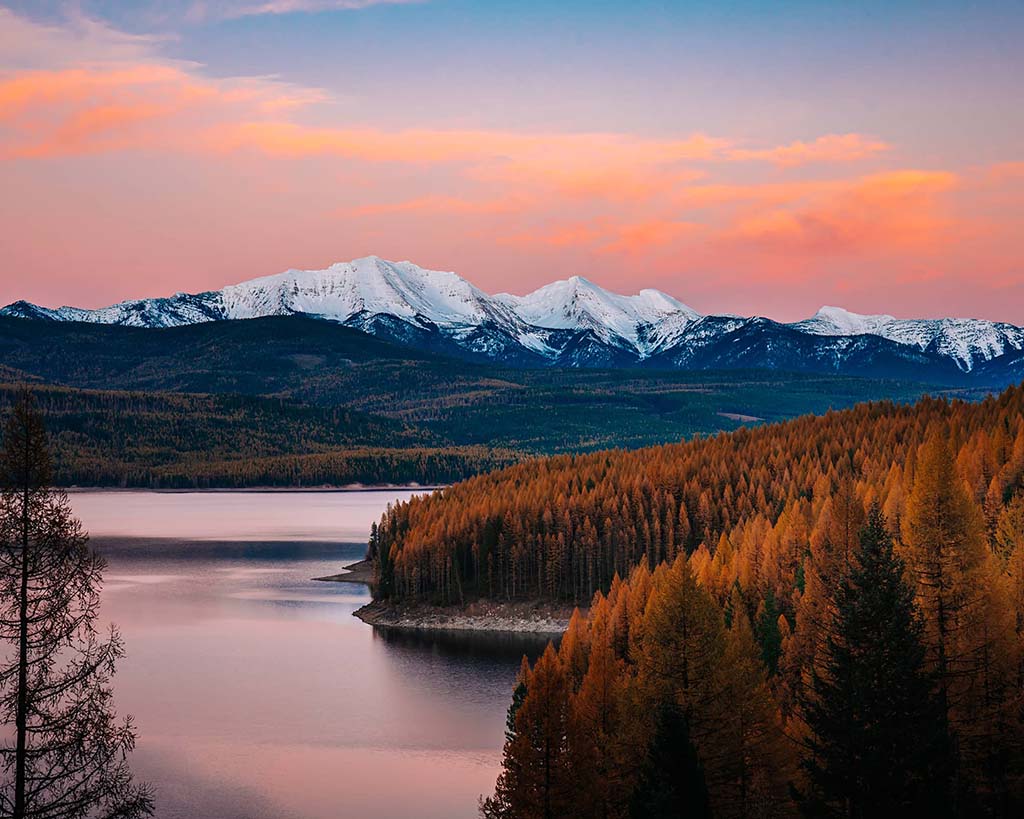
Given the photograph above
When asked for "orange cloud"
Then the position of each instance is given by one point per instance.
(577, 149)
(614, 193)
(713, 195)
(889, 211)
(640, 237)
(439, 204)
(1006, 172)
(427, 145)
(828, 148)
(79, 111)
(89, 110)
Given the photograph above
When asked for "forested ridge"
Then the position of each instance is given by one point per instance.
(315, 363)
(181, 440)
(821, 617)
(747, 503)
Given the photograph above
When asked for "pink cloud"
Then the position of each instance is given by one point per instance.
(643, 237)
(127, 107)
(137, 176)
(899, 209)
(828, 148)
(228, 10)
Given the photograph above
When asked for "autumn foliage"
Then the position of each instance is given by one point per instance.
(726, 583)
(748, 506)
(656, 649)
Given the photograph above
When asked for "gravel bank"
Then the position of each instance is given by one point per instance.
(532, 618)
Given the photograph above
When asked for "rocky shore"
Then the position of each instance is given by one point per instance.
(522, 618)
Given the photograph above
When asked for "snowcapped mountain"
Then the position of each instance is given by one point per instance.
(576, 323)
(966, 341)
(577, 304)
(173, 311)
(366, 286)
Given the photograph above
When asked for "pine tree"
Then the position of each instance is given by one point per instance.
(716, 679)
(875, 748)
(65, 757)
(499, 806)
(758, 763)
(600, 742)
(1009, 530)
(829, 561)
(969, 647)
(671, 784)
(769, 638)
(535, 782)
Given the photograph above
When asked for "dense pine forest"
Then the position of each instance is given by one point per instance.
(822, 616)
(180, 440)
(741, 504)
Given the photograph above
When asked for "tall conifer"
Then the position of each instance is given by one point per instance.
(873, 718)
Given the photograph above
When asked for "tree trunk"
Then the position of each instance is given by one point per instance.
(21, 716)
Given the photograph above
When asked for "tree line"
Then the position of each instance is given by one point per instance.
(748, 504)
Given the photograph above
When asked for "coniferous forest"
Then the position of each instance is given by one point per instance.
(822, 616)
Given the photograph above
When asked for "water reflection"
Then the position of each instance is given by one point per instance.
(256, 692)
(463, 646)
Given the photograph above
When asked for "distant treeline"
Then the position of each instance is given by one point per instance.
(341, 468)
(177, 440)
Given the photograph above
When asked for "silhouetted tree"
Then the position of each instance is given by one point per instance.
(65, 754)
(671, 784)
(876, 743)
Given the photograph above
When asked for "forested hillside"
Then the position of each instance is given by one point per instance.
(747, 501)
(181, 440)
(454, 403)
(823, 615)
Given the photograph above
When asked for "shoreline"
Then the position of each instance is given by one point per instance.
(481, 616)
(359, 572)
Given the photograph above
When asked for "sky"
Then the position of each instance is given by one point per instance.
(747, 157)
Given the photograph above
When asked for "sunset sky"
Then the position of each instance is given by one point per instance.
(755, 158)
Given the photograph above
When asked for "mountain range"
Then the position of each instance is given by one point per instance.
(576, 323)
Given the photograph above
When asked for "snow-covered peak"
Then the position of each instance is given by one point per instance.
(966, 341)
(835, 321)
(162, 312)
(368, 285)
(578, 304)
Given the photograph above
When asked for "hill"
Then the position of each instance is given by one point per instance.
(780, 621)
(181, 440)
(562, 528)
(325, 364)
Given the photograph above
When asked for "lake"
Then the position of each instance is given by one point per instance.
(255, 691)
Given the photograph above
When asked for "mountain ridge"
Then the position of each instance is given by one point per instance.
(571, 323)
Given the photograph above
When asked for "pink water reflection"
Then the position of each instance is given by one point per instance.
(257, 694)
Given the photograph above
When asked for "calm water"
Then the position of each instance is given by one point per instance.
(255, 691)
